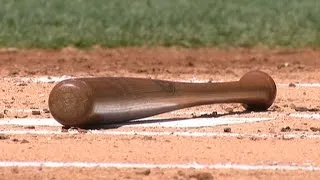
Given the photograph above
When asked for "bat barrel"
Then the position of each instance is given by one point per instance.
(85, 101)
(71, 102)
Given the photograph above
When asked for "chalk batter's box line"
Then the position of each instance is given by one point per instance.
(55, 79)
(193, 165)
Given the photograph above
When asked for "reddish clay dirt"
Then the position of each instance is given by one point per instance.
(285, 66)
(223, 64)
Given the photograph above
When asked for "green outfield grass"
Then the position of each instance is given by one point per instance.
(190, 23)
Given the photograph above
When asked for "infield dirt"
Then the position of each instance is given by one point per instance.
(286, 66)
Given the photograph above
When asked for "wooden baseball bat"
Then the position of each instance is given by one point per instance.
(104, 100)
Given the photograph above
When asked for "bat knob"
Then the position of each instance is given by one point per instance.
(263, 86)
(70, 102)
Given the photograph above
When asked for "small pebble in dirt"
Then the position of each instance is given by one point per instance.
(144, 172)
(286, 138)
(22, 84)
(29, 127)
(83, 131)
(210, 80)
(15, 170)
(286, 129)
(64, 129)
(303, 109)
(1, 115)
(40, 168)
(292, 106)
(181, 173)
(213, 114)
(227, 130)
(292, 85)
(46, 110)
(315, 129)
(298, 129)
(256, 138)
(275, 108)
(3, 137)
(20, 116)
(148, 138)
(229, 110)
(24, 141)
(36, 112)
(202, 176)
(190, 64)
(15, 140)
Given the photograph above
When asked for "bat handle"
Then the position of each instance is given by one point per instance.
(256, 90)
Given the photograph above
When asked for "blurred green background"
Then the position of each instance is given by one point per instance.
(187, 23)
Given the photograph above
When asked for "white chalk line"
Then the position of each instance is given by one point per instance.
(44, 79)
(190, 112)
(194, 165)
(25, 110)
(55, 79)
(29, 122)
(301, 84)
(305, 116)
(162, 122)
(162, 133)
(149, 122)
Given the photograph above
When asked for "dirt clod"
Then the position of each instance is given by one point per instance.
(36, 112)
(29, 127)
(148, 138)
(202, 176)
(301, 109)
(20, 116)
(46, 110)
(292, 85)
(292, 106)
(213, 114)
(23, 141)
(22, 84)
(65, 129)
(3, 137)
(82, 131)
(315, 129)
(144, 172)
(287, 138)
(275, 108)
(190, 64)
(229, 110)
(255, 138)
(15, 170)
(298, 129)
(286, 129)
(304, 109)
(227, 130)
(1, 115)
